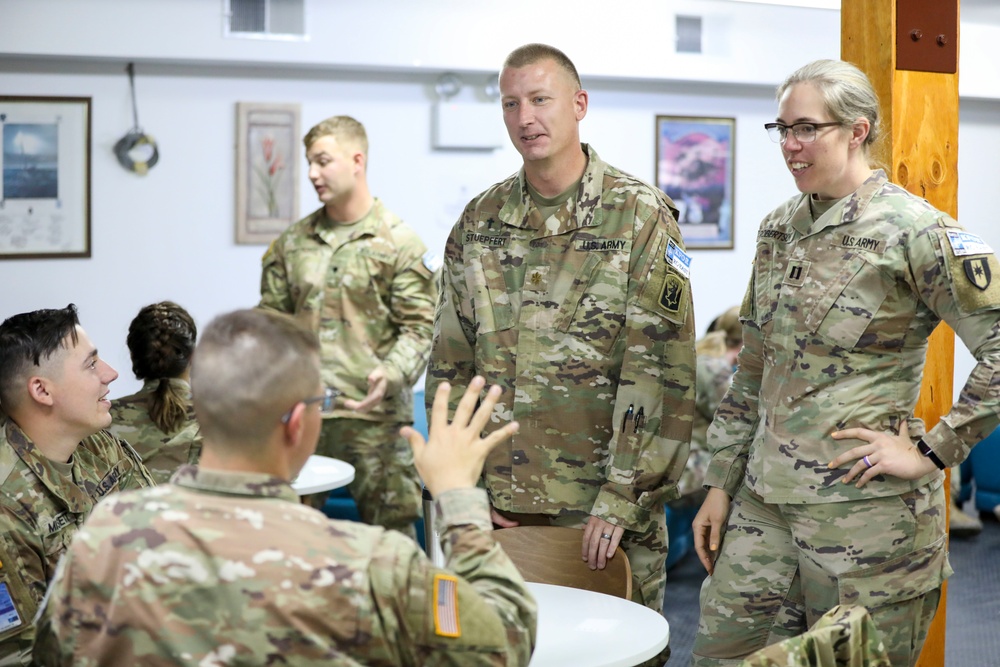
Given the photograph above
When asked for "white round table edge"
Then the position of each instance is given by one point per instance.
(627, 625)
(322, 473)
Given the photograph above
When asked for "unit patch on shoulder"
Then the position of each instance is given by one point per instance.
(977, 270)
(965, 243)
(672, 294)
(972, 280)
(678, 259)
(432, 261)
(9, 618)
(446, 606)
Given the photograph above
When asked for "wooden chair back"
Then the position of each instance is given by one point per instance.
(551, 555)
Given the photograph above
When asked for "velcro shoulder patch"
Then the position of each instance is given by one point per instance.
(678, 259)
(965, 243)
(446, 622)
(975, 278)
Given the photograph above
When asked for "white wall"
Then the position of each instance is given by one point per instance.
(978, 146)
(169, 235)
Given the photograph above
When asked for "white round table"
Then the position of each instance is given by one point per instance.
(322, 473)
(586, 629)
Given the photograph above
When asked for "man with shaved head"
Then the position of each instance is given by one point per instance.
(56, 459)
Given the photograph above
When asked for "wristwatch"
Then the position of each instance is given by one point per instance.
(929, 453)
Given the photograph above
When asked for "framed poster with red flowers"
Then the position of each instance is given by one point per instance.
(694, 166)
(267, 170)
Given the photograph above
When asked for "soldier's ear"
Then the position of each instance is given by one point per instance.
(40, 390)
(294, 426)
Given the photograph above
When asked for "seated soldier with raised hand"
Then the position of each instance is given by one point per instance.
(225, 565)
(56, 459)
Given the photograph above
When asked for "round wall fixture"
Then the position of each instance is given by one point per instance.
(447, 85)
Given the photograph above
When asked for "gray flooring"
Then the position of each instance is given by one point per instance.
(973, 627)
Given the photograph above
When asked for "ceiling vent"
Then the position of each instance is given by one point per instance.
(688, 34)
(265, 19)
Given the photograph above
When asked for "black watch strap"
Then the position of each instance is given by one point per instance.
(929, 453)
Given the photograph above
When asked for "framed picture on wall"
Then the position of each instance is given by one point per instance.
(268, 155)
(45, 190)
(694, 166)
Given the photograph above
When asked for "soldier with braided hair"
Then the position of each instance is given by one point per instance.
(158, 420)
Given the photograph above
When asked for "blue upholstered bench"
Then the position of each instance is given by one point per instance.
(981, 471)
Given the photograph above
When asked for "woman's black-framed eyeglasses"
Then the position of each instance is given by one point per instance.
(805, 133)
(326, 401)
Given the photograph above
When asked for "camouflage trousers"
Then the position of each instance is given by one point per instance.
(844, 637)
(647, 556)
(386, 485)
(781, 567)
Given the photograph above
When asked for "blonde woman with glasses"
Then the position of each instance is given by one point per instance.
(825, 488)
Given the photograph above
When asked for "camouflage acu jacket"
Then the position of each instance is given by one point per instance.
(230, 568)
(585, 320)
(40, 511)
(370, 300)
(838, 313)
(162, 453)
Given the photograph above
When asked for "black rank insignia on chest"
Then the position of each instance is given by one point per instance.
(977, 270)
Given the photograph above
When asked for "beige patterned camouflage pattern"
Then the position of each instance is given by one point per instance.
(222, 568)
(42, 505)
(782, 567)
(567, 315)
(386, 486)
(844, 637)
(162, 453)
(838, 313)
(577, 317)
(837, 317)
(369, 299)
(715, 374)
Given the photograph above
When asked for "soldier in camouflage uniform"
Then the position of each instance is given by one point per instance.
(717, 352)
(836, 488)
(224, 565)
(843, 637)
(56, 461)
(567, 285)
(365, 283)
(159, 419)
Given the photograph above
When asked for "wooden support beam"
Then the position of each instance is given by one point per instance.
(919, 152)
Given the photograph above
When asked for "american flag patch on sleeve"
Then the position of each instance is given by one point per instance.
(446, 606)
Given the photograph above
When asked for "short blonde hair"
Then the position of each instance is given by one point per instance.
(344, 128)
(529, 54)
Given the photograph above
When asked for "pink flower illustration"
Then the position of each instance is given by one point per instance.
(270, 175)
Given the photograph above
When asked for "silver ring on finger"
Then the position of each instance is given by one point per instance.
(605, 536)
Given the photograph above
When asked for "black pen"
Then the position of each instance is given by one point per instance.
(640, 420)
(627, 417)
